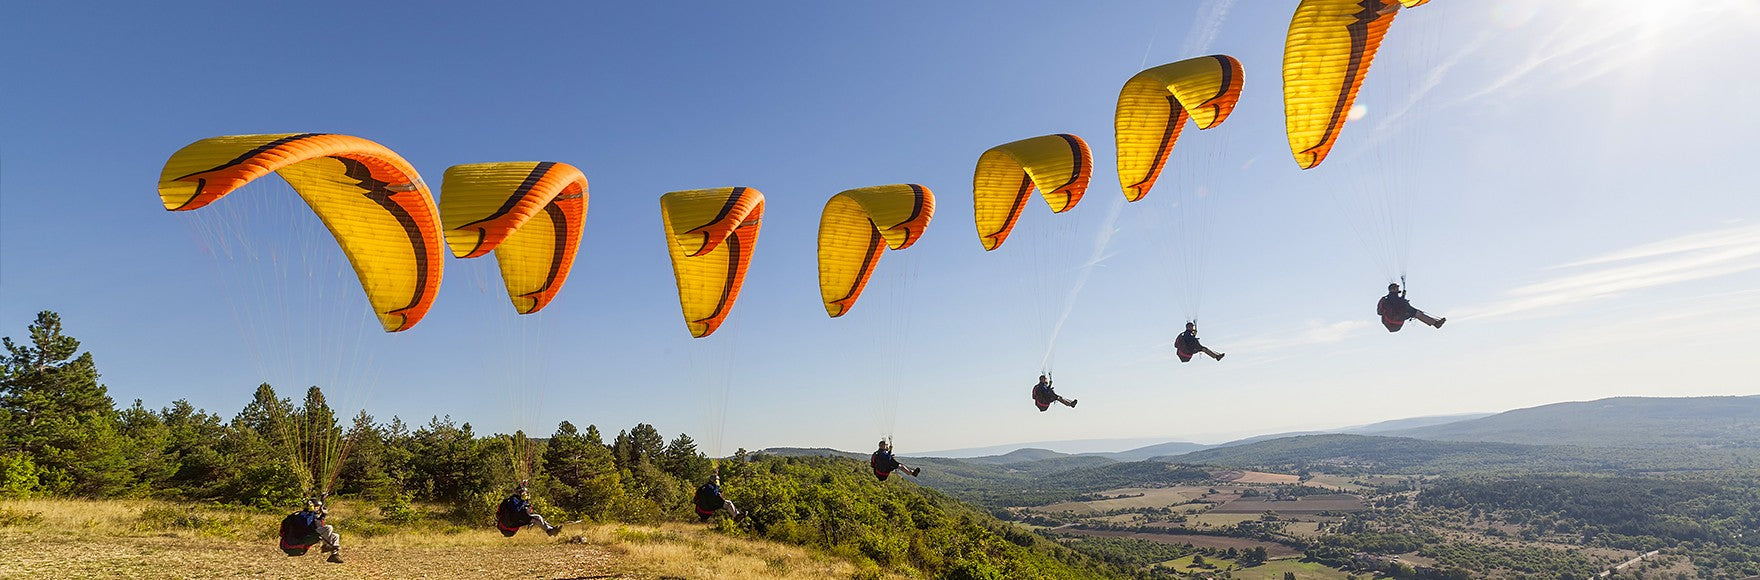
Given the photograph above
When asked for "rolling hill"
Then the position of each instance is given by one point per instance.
(1634, 422)
(1345, 453)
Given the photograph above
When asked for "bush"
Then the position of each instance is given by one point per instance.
(479, 510)
(973, 570)
(269, 486)
(399, 510)
(14, 518)
(18, 475)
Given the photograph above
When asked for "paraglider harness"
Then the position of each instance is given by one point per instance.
(707, 500)
(513, 513)
(1394, 309)
(1043, 395)
(299, 530)
(1186, 346)
(883, 463)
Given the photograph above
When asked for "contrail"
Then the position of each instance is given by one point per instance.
(1205, 28)
(1101, 242)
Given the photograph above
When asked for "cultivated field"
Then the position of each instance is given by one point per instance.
(1275, 569)
(1217, 520)
(1335, 482)
(1273, 549)
(1312, 504)
(1272, 570)
(1302, 529)
(1129, 498)
(1256, 477)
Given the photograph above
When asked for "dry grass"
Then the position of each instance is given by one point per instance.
(1303, 529)
(1150, 497)
(152, 539)
(1312, 504)
(691, 551)
(1263, 477)
(1221, 519)
(1334, 482)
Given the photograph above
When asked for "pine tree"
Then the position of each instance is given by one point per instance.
(647, 441)
(151, 459)
(585, 471)
(320, 442)
(643, 443)
(363, 470)
(446, 461)
(623, 450)
(53, 410)
(269, 416)
(399, 460)
(193, 437)
(682, 460)
(262, 464)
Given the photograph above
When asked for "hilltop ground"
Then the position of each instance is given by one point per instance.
(153, 539)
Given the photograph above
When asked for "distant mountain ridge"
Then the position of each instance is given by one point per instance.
(1625, 435)
(1412, 423)
(1068, 447)
(811, 452)
(1021, 452)
(1632, 422)
(1347, 453)
(1022, 455)
(1142, 453)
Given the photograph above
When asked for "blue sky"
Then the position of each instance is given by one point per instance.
(1580, 199)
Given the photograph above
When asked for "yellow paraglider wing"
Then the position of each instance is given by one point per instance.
(1058, 165)
(1153, 107)
(529, 213)
(710, 235)
(370, 199)
(856, 227)
(1331, 44)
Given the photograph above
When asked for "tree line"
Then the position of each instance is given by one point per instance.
(62, 435)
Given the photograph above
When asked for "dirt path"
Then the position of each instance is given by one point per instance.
(1623, 565)
(58, 556)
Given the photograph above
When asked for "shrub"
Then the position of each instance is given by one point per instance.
(18, 475)
(14, 518)
(399, 510)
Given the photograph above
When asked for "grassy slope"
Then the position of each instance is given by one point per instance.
(152, 539)
(836, 505)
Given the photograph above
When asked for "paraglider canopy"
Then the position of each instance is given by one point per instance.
(529, 213)
(1057, 165)
(710, 236)
(371, 200)
(857, 226)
